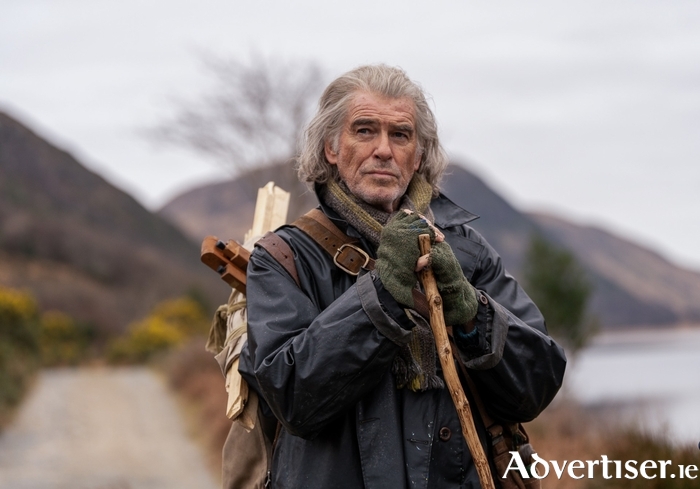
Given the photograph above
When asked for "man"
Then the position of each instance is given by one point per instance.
(344, 362)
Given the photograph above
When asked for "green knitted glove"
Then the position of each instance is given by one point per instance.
(398, 253)
(458, 296)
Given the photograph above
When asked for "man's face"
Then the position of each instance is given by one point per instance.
(377, 151)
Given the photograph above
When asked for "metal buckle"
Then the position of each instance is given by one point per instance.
(358, 250)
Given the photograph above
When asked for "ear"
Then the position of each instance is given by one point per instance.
(331, 155)
(416, 164)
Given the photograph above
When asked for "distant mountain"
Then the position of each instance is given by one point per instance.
(80, 244)
(507, 229)
(633, 286)
(644, 275)
(616, 299)
(226, 209)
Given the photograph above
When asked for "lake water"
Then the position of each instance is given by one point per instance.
(654, 375)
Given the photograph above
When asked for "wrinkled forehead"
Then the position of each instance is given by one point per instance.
(372, 106)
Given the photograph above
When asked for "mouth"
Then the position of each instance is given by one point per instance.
(381, 173)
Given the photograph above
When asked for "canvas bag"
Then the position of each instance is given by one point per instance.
(247, 451)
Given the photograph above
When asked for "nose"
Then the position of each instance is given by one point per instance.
(383, 150)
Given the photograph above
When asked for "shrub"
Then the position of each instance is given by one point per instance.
(145, 339)
(168, 325)
(62, 341)
(635, 444)
(559, 286)
(568, 431)
(185, 314)
(19, 347)
(18, 319)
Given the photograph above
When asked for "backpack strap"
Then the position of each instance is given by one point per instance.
(280, 251)
(346, 252)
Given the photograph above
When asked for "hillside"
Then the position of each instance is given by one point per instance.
(507, 229)
(80, 244)
(615, 300)
(226, 209)
(614, 266)
(647, 276)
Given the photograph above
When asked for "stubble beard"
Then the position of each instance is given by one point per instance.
(378, 196)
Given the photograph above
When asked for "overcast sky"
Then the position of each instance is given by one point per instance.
(587, 109)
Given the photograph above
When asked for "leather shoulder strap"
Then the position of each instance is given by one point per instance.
(280, 251)
(319, 227)
(342, 248)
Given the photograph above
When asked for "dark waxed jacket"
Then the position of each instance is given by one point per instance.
(321, 354)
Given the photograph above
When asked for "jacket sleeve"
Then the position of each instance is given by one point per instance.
(311, 364)
(520, 368)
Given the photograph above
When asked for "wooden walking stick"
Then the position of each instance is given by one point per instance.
(442, 342)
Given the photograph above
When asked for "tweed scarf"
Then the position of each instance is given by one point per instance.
(415, 365)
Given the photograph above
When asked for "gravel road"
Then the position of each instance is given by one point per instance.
(100, 428)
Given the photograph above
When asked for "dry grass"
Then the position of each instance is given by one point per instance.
(568, 431)
(194, 374)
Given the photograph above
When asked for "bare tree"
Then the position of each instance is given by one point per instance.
(252, 115)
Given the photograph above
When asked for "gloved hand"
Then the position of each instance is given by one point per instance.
(459, 302)
(398, 253)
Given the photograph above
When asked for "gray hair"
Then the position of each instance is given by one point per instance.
(312, 166)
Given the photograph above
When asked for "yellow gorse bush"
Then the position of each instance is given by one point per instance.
(60, 340)
(19, 349)
(16, 305)
(168, 325)
(18, 318)
(154, 333)
(183, 313)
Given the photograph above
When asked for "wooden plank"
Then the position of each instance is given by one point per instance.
(270, 210)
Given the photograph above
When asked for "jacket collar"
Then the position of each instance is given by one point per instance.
(448, 214)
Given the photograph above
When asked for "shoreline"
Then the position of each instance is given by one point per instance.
(643, 335)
